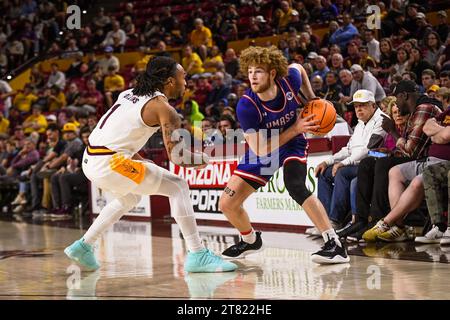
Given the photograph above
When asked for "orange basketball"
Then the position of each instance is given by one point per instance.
(325, 113)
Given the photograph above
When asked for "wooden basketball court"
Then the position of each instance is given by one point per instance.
(141, 260)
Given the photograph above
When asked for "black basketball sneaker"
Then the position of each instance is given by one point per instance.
(331, 253)
(241, 249)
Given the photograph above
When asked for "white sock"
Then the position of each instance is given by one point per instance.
(109, 215)
(331, 234)
(249, 238)
(188, 227)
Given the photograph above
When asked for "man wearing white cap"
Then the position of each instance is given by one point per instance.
(336, 173)
(365, 80)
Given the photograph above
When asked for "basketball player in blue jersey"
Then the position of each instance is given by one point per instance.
(272, 106)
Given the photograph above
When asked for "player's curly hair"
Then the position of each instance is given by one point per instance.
(158, 70)
(270, 58)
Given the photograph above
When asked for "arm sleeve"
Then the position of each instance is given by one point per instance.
(248, 115)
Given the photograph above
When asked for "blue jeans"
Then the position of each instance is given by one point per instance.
(334, 192)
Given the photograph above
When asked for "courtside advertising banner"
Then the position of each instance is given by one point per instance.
(269, 204)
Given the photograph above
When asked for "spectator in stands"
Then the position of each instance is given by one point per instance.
(336, 63)
(209, 131)
(101, 20)
(416, 64)
(336, 173)
(227, 127)
(88, 100)
(7, 156)
(108, 60)
(317, 85)
(332, 90)
(24, 99)
(220, 91)
(192, 63)
(35, 122)
(201, 38)
(366, 62)
(346, 79)
(423, 29)
(57, 99)
(92, 121)
(442, 27)
(321, 67)
(283, 16)
(192, 113)
(428, 79)
(402, 64)
(332, 27)
(365, 80)
(399, 120)
(72, 50)
(344, 34)
(37, 79)
(4, 124)
(443, 95)
(353, 55)
(372, 44)
(26, 157)
(432, 91)
(388, 58)
(114, 84)
(372, 195)
(328, 12)
(433, 48)
(213, 59)
(406, 188)
(56, 78)
(444, 79)
(306, 45)
(67, 179)
(115, 32)
(6, 92)
(231, 62)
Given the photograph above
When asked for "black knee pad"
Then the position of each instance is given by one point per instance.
(294, 180)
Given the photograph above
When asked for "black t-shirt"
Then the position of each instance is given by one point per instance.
(59, 147)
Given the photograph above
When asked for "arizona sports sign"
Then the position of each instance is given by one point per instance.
(269, 204)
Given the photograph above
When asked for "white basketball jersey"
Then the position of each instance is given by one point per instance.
(121, 128)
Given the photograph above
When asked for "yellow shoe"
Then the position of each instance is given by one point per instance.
(372, 234)
(394, 234)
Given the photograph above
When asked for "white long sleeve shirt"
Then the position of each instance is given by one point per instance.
(357, 146)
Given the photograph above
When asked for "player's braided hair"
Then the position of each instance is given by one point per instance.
(158, 70)
(270, 58)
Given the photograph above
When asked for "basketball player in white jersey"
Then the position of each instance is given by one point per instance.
(112, 162)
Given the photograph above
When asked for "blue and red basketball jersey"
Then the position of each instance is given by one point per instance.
(279, 113)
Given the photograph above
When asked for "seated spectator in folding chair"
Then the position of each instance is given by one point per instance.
(404, 199)
(56, 147)
(372, 195)
(336, 173)
(66, 179)
(22, 161)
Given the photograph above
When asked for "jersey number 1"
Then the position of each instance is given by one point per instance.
(114, 108)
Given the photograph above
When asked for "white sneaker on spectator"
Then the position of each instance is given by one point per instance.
(445, 241)
(19, 200)
(432, 236)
